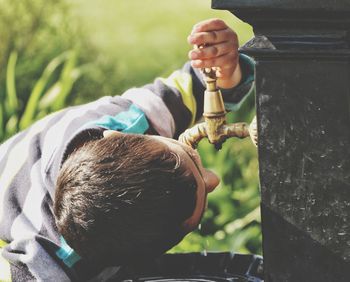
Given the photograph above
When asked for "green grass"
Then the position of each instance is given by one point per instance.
(47, 95)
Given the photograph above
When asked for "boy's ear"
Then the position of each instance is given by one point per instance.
(109, 133)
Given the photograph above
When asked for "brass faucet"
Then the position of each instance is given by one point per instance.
(214, 126)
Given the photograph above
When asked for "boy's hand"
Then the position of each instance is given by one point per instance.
(220, 50)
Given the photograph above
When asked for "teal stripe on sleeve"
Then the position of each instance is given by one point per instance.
(67, 254)
(131, 121)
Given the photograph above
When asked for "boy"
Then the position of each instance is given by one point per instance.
(83, 189)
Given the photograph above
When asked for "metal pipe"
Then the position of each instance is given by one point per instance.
(214, 126)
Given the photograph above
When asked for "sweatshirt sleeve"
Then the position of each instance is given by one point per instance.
(175, 103)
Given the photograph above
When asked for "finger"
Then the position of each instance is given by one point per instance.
(213, 51)
(224, 62)
(212, 37)
(209, 25)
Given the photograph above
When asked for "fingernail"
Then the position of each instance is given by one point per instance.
(194, 55)
(192, 39)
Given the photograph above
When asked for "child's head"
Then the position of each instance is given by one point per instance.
(127, 196)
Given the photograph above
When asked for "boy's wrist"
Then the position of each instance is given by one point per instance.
(233, 81)
(244, 73)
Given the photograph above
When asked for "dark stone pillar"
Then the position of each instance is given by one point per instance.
(303, 110)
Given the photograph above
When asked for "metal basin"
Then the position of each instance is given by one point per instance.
(193, 267)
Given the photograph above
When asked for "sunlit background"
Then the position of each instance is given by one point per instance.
(55, 53)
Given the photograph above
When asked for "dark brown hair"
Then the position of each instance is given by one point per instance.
(123, 197)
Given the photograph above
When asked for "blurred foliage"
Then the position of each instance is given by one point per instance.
(37, 31)
(140, 40)
(42, 99)
(38, 61)
(55, 53)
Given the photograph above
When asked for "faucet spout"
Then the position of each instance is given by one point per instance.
(214, 126)
(195, 134)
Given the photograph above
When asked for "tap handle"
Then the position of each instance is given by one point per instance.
(208, 73)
